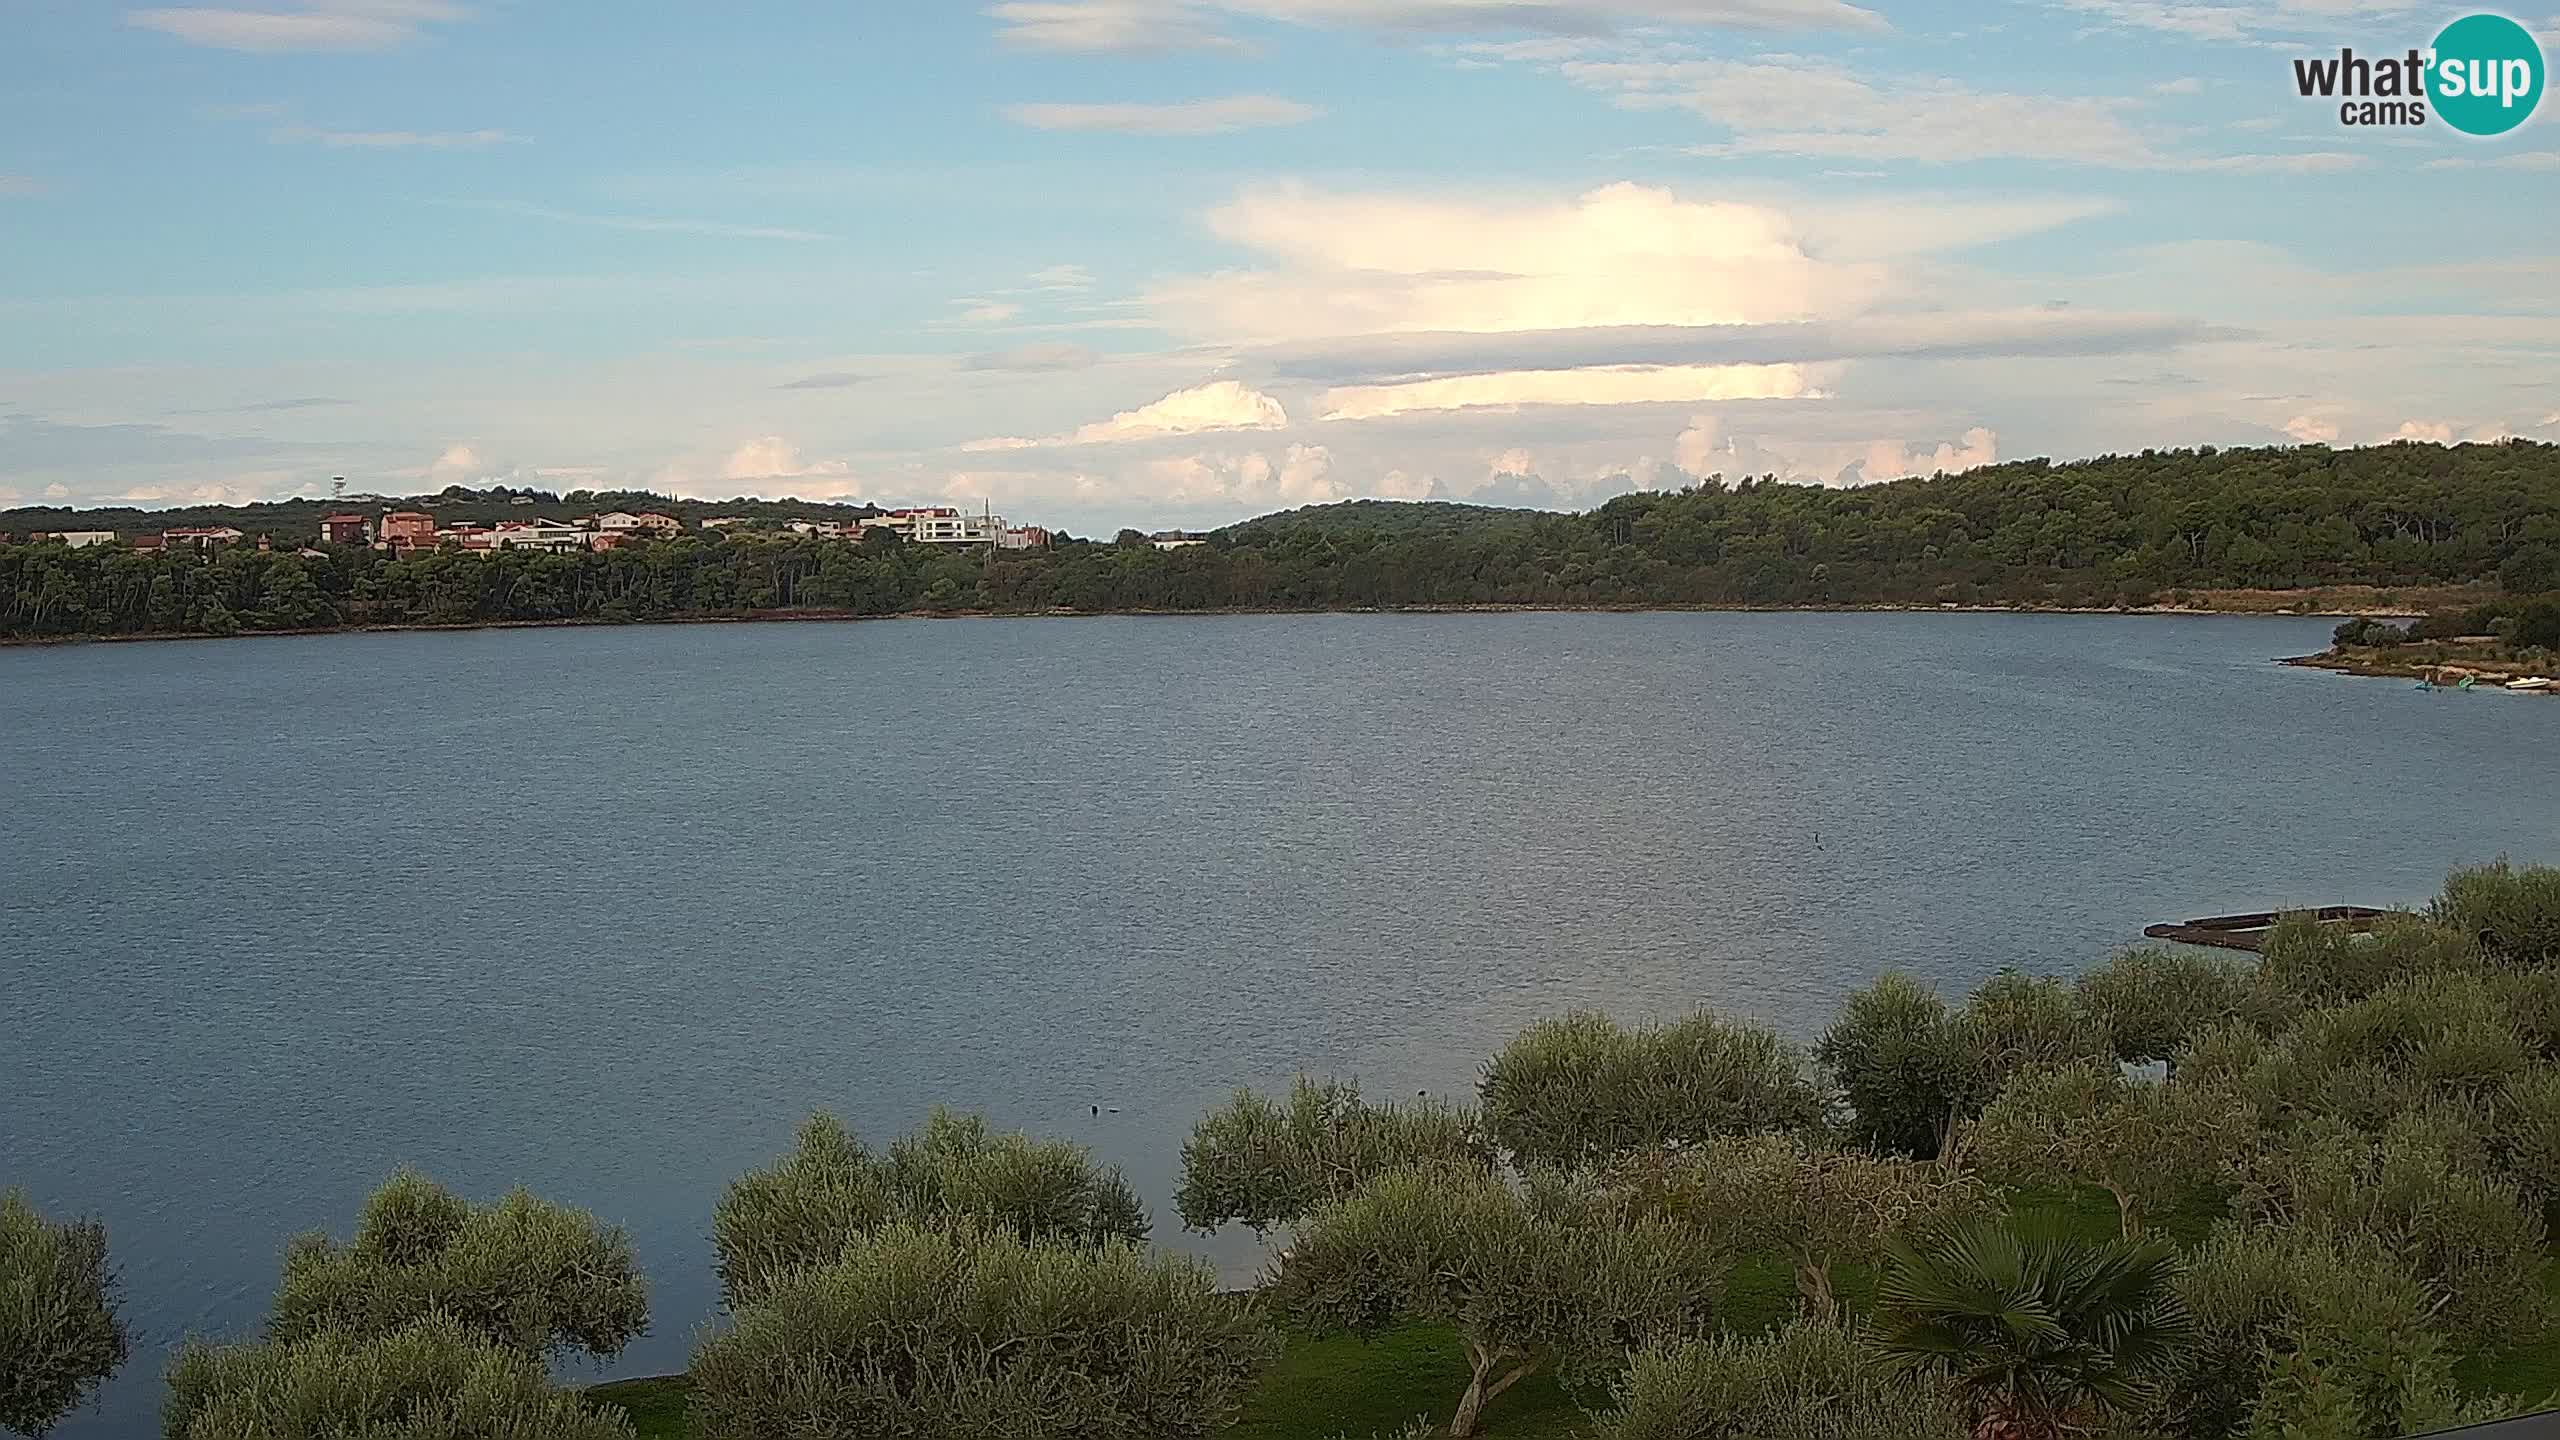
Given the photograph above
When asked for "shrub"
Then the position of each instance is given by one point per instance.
(1897, 1057)
(1543, 1275)
(964, 1331)
(2513, 914)
(2150, 1146)
(438, 1379)
(60, 1335)
(1817, 1204)
(2369, 632)
(2308, 965)
(2294, 1322)
(1809, 1381)
(830, 1191)
(1580, 1089)
(523, 1273)
(2152, 1002)
(1264, 1165)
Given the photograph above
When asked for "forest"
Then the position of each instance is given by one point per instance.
(2117, 531)
(2305, 1196)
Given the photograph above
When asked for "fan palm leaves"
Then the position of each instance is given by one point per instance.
(2041, 1331)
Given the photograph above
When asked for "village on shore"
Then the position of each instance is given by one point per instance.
(404, 532)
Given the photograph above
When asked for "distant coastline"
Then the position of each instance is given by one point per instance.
(2253, 608)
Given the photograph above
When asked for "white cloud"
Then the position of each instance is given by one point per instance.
(57, 491)
(1599, 385)
(1062, 277)
(987, 312)
(460, 464)
(1218, 405)
(2517, 160)
(2430, 432)
(771, 457)
(646, 224)
(1351, 264)
(2312, 430)
(2184, 85)
(1190, 117)
(1152, 25)
(1890, 460)
(2220, 21)
(395, 139)
(314, 25)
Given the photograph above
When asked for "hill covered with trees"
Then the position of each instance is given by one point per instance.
(2122, 530)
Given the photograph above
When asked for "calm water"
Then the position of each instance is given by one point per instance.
(607, 911)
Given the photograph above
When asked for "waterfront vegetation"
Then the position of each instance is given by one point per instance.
(2156, 528)
(2178, 1197)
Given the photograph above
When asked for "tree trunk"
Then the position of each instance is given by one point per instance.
(1479, 1394)
(2128, 1212)
(1813, 1284)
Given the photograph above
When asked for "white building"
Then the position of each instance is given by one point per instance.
(951, 528)
(1175, 540)
(82, 539)
(539, 535)
(623, 523)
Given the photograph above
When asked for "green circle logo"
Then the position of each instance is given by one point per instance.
(2484, 75)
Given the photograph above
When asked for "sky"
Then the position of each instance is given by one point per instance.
(1098, 263)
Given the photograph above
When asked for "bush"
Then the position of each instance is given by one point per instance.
(830, 1191)
(436, 1380)
(1265, 1165)
(2513, 914)
(972, 1333)
(2150, 1146)
(2305, 965)
(2538, 626)
(1547, 1275)
(1809, 1381)
(2369, 632)
(1897, 1058)
(60, 1335)
(1580, 1089)
(523, 1273)
(2151, 1003)
(2294, 1320)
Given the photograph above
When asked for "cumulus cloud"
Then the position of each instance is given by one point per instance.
(770, 457)
(1891, 460)
(1154, 25)
(2426, 432)
(1218, 405)
(1190, 117)
(831, 380)
(460, 464)
(2312, 430)
(313, 25)
(1352, 264)
(1604, 385)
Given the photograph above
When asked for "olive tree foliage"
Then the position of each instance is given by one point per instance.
(1263, 1162)
(2304, 965)
(1808, 1381)
(60, 1335)
(2514, 914)
(2148, 1145)
(2151, 1002)
(1819, 1204)
(2423, 1193)
(962, 1331)
(1543, 1274)
(438, 1379)
(2313, 1332)
(831, 1191)
(1913, 1071)
(1580, 1089)
(524, 1273)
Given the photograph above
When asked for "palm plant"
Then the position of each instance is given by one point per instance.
(2041, 1332)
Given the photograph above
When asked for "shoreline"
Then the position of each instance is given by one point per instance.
(2493, 675)
(812, 617)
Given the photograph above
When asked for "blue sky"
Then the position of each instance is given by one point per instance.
(1100, 262)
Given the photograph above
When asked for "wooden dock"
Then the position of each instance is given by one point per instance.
(2249, 932)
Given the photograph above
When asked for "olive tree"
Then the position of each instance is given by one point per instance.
(2306, 1329)
(60, 1335)
(831, 1190)
(536, 1277)
(437, 1379)
(1537, 1275)
(2513, 913)
(1264, 1163)
(2152, 1002)
(1818, 1204)
(1809, 1381)
(965, 1331)
(1581, 1089)
(1913, 1071)
(2148, 1145)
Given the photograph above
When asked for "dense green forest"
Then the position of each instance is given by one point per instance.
(2121, 530)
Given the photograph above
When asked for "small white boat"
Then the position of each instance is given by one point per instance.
(2537, 682)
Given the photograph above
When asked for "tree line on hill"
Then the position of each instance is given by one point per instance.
(2331, 1207)
(2123, 530)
